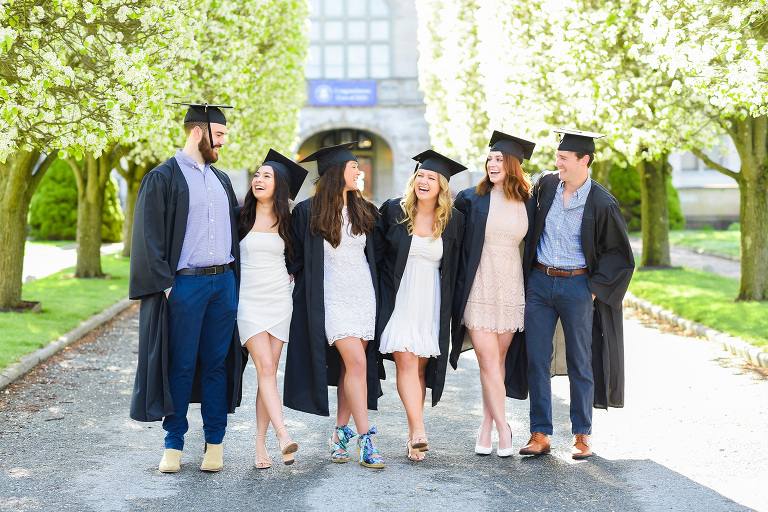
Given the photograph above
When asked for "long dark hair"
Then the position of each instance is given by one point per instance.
(280, 206)
(327, 203)
(516, 184)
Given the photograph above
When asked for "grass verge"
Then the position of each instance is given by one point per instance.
(705, 298)
(66, 302)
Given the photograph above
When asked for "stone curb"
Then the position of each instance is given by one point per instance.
(733, 345)
(19, 369)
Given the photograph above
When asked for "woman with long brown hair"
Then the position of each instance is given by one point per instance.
(265, 305)
(334, 303)
(418, 239)
(489, 303)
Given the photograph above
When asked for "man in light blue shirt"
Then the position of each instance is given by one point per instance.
(184, 270)
(579, 264)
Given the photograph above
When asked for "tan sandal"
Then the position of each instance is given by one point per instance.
(412, 453)
(261, 461)
(420, 442)
(288, 448)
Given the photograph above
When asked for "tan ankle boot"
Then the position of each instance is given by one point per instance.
(171, 461)
(214, 457)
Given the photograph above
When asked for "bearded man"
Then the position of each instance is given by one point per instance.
(185, 270)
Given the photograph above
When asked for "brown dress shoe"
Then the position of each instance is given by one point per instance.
(582, 446)
(538, 444)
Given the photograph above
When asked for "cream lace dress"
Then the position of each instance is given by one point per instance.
(415, 322)
(349, 298)
(496, 301)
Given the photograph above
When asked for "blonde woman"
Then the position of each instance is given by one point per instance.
(418, 239)
(489, 303)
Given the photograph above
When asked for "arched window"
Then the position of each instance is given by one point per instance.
(349, 39)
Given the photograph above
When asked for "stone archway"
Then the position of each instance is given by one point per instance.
(374, 157)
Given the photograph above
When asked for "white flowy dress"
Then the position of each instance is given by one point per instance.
(348, 294)
(265, 302)
(415, 322)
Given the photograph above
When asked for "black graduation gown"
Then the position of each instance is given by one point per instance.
(159, 225)
(605, 243)
(392, 246)
(475, 209)
(311, 365)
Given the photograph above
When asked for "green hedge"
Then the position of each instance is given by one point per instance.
(624, 184)
(53, 210)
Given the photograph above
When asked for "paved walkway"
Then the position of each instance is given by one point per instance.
(691, 438)
(682, 256)
(43, 260)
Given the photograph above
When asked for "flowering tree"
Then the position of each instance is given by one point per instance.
(721, 49)
(249, 54)
(449, 76)
(631, 100)
(74, 77)
(605, 66)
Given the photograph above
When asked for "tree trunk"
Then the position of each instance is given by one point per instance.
(750, 136)
(133, 177)
(754, 239)
(654, 211)
(16, 190)
(751, 139)
(91, 175)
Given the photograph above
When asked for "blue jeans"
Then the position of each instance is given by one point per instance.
(547, 299)
(202, 311)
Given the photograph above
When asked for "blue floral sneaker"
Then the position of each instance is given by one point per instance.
(369, 454)
(339, 451)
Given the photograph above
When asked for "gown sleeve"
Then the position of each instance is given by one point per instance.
(299, 220)
(150, 271)
(380, 234)
(615, 261)
(461, 203)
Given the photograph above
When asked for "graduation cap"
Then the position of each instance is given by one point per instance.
(329, 156)
(577, 140)
(293, 173)
(521, 149)
(433, 161)
(205, 113)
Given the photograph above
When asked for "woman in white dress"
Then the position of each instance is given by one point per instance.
(334, 319)
(418, 240)
(265, 305)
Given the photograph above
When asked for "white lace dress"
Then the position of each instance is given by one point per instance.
(349, 297)
(415, 322)
(496, 301)
(265, 302)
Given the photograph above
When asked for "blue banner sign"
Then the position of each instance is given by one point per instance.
(337, 93)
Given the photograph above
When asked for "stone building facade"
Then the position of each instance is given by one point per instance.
(362, 85)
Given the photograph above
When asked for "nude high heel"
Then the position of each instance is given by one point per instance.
(261, 461)
(288, 448)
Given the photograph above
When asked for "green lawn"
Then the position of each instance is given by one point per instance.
(724, 242)
(705, 298)
(66, 302)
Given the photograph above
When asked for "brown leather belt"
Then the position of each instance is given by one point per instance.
(204, 271)
(559, 272)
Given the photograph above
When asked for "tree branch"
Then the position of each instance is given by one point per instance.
(714, 165)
